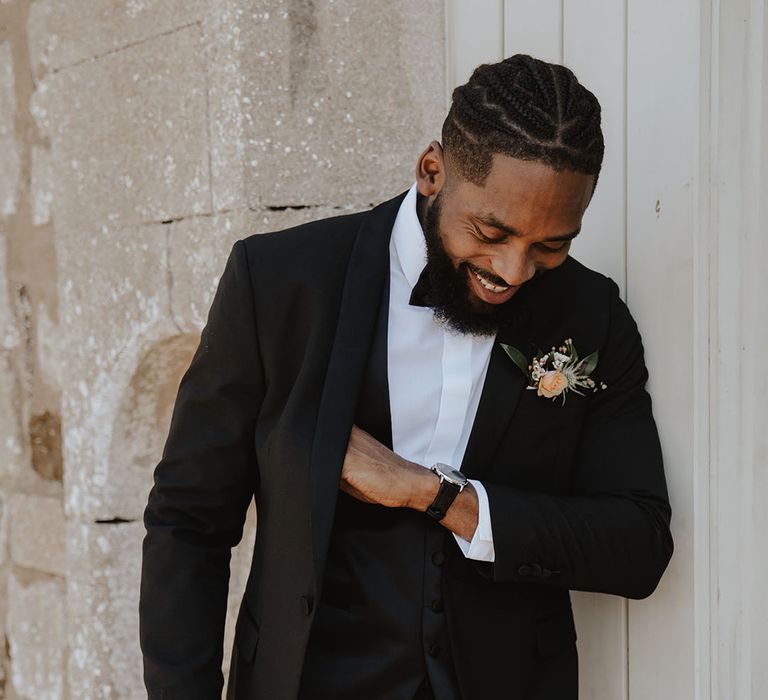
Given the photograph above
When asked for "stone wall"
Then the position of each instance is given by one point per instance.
(138, 140)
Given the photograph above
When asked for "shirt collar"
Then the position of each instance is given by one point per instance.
(408, 238)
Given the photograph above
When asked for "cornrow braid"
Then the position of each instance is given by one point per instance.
(525, 108)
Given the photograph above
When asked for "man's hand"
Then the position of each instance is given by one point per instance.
(374, 474)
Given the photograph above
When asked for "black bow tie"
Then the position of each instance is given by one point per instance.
(513, 311)
(420, 295)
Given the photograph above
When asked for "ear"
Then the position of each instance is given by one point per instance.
(430, 170)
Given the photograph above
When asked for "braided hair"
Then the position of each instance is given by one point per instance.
(524, 108)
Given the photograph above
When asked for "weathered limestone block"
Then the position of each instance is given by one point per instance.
(3, 542)
(37, 533)
(44, 435)
(9, 144)
(114, 307)
(222, 38)
(4, 661)
(36, 638)
(103, 593)
(41, 185)
(58, 37)
(104, 571)
(303, 95)
(10, 336)
(199, 247)
(12, 462)
(197, 252)
(51, 354)
(140, 426)
(129, 139)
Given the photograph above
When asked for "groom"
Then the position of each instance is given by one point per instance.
(443, 419)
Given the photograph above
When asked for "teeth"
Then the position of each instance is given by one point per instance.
(490, 287)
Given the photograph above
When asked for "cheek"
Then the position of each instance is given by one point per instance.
(459, 250)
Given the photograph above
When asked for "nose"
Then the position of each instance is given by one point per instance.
(513, 267)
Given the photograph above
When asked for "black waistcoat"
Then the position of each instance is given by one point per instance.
(379, 627)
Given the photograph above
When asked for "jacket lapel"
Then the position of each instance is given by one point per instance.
(504, 383)
(363, 287)
(373, 413)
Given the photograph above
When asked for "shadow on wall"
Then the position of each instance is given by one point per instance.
(143, 419)
(110, 583)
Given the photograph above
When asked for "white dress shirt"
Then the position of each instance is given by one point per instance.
(436, 375)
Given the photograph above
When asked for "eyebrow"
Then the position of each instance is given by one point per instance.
(491, 220)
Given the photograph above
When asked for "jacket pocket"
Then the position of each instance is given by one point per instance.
(555, 632)
(246, 633)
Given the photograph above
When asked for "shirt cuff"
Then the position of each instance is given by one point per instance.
(481, 546)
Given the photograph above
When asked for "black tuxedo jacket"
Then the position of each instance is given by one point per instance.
(577, 493)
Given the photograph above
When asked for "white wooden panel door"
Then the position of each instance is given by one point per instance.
(594, 48)
(678, 221)
(620, 652)
(476, 27)
(534, 27)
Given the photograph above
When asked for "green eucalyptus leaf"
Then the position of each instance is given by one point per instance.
(588, 364)
(517, 357)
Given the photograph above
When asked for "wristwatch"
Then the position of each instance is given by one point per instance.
(452, 482)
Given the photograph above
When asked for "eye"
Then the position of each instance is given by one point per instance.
(550, 249)
(484, 238)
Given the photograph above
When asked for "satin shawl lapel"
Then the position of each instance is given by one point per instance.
(504, 383)
(363, 286)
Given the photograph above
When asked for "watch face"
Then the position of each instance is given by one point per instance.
(451, 474)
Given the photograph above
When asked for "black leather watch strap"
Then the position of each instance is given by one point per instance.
(445, 496)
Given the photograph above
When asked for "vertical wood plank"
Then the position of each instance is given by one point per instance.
(663, 118)
(601, 628)
(534, 27)
(596, 52)
(704, 374)
(740, 450)
(758, 295)
(475, 35)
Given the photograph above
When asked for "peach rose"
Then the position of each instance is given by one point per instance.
(552, 383)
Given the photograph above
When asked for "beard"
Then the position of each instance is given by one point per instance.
(452, 300)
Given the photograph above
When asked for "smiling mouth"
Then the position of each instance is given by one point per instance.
(497, 289)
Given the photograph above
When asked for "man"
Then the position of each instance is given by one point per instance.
(442, 418)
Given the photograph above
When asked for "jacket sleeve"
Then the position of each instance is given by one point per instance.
(611, 534)
(196, 509)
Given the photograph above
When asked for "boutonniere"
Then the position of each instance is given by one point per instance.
(557, 371)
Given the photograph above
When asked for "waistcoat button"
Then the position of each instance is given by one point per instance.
(438, 558)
